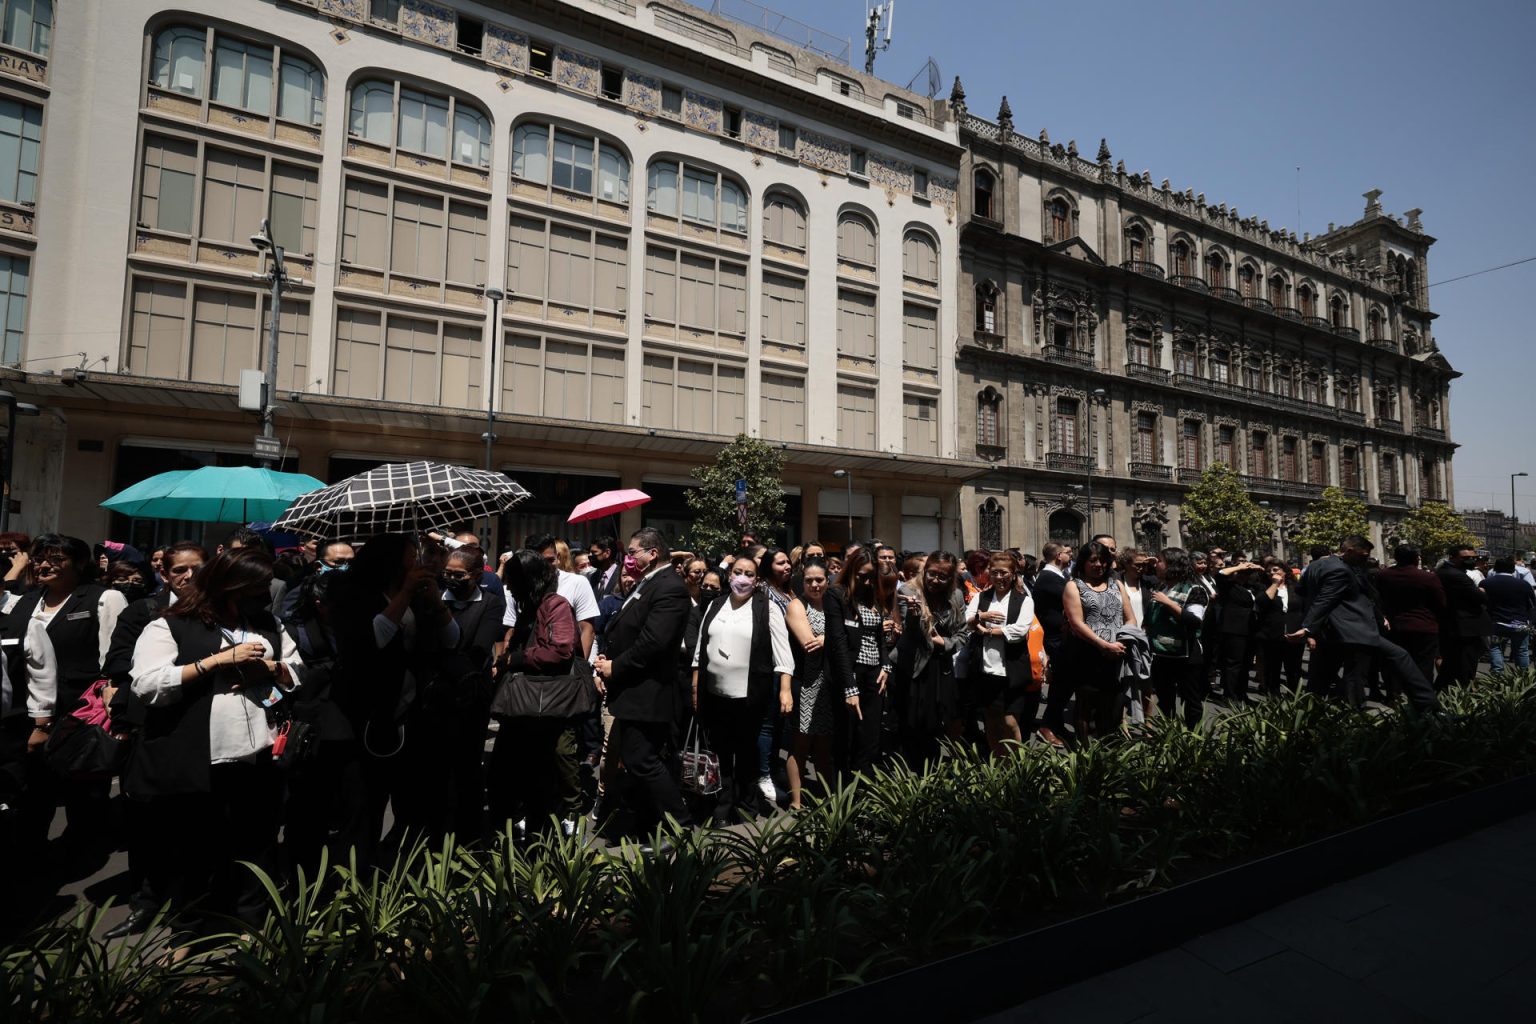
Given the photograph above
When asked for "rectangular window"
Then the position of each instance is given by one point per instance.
(920, 336)
(573, 163)
(661, 284)
(1258, 453)
(699, 196)
(733, 298)
(672, 100)
(855, 418)
(1221, 369)
(1290, 459)
(541, 59)
(858, 162)
(1349, 469)
(784, 309)
(416, 236)
(920, 183)
(732, 122)
(1066, 426)
(1317, 468)
(570, 265)
(423, 124)
(21, 135)
(158, 328)
(610, 274)
(15, 276)
(295, 198)
(526, 256)
(170, 185)
(612, 82)
(471, 34)
(920, 425)
(1389, 483)
(1146, 438)
(29, 25)
(292, 343)
(855, 324)
(659, 391)
(1189, 445)
(359, 342)
(411, 361)
(242, 75)
(1283, 381)
(783, 408)
(234, 186)
(223, 335)
(695, 396)
(1185, 361)
(787, 136)
(1139, 349)
(466, 244)
(696, 292)
(365, 224)
(1226, 443)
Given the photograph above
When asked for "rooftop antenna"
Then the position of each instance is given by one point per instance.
(878, 15)
(935, 78)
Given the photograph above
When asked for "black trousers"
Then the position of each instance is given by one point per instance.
(865, 732)
(1459, 656)
(1395, 665)
(535, 773)
(201, 839)
(1421, 647)
(642, 746)
(1236, 660)
(1323, 667)
(1282, 660)
(327, 807)
(1181, 680)
(732, 729)
(1059, 688)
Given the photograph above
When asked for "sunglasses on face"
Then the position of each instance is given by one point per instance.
(456, 577)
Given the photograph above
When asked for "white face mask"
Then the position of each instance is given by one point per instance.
(741, 586)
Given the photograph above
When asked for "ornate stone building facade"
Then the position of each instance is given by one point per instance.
(1118, 337)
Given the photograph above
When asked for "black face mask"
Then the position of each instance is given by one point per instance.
(132, 591)
(708, 594)
(463, 589)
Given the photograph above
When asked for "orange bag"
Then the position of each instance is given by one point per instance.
(1036, 641)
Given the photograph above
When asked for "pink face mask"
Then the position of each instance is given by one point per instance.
(631, 567)
(742, 585)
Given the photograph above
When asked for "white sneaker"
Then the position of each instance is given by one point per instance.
(765, 787)
(567, 827)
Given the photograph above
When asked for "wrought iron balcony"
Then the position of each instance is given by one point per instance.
(1353, 492)
(1259, 303)
(1433, 433)
(1347, 333)
(1145, 268)
(1070, 356)
(1064, 460)
(1394, 498)
(1349, 415)
(1388, 423)
(1320, 322)
(1386, 343)
(1188, 475)
(1150, 471)
(1142, 371)
(1223, 292)
(1194, 284)
(1289, 313)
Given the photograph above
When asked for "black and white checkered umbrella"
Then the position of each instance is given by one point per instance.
(405, 497)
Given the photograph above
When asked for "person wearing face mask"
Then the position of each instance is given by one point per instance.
(742, 669)
(824, 684)
(214, 672)
(923, 678)
(132, 579)
(1466, 624)
(1001, 679)
(867, 602)
(64, 625)
(639, 667)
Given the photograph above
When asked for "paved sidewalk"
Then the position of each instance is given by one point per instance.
(1447, 935)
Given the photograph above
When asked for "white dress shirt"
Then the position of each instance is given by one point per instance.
(730, 640)
(572, 586)
(42, 659)
(1013, 630)
(237, 725)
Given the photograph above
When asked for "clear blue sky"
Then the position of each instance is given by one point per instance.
(1434, 103)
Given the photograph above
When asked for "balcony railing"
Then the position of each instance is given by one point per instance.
(1259, 303)
(1070, 356)
(1143, 267)
(1189, 475)
(1150, 471)
(1223, 292)
(1063, 460)
(1394, 498)
(1194, 284)
(1320, 322)
(1433, 433)
(1290, 313)
(1386, 343)
(1142, 371)
(1347, 333)
(1353, 492)
(1388, 423)
(1349, 415)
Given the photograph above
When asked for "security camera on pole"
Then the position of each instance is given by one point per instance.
(268, 450)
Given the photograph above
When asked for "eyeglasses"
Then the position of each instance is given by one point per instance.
(938, 577)
(457, 577)
(636, 551)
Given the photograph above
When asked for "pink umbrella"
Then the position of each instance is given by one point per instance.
(609, 503)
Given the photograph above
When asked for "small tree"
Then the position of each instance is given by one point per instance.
(1218, 510)
(1433, 527)
(716, 527)
(1330, 519)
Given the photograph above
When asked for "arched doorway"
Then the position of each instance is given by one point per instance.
(1065, 527)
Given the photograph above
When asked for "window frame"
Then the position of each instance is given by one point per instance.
(474, 382)
(280, 60)
(35, 27)
(865, 221)
(400, 92)
(682, 170)
(392, 190)
(602, 150)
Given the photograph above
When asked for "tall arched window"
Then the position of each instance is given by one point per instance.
(984, 194)
(1183, 265)
(178, 60)
(1306, 299)
(1136, 245)
(1373, 325)
(1277, 291)
(420, 123)
(1215, 270)
(986, 308)
(300, 92)
(856, 239)
(990, 525)
(245, 75)
(570, 161)
(1338, 314)
(989, 418)
(919, 257)
(783, 221)
(697, 194)
(1061, 219)
(1411, 279)
(1248, 281)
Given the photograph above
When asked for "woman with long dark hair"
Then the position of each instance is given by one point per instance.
(1096, 606)
(824, 689)
(215, 673)
(1174, 614)
(535, 774)
(775, 578)
(868, 599)
(926, 698)
(743, 671)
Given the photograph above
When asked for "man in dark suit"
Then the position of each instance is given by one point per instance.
(1339, 602)
(643, 642)
(1237, 620)
(1050, 586)
(605, 560)
(1467, 624)
(1413, 600)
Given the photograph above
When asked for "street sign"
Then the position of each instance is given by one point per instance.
(268, 447)
(741, 492)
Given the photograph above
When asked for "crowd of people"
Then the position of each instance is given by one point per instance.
(342, 699)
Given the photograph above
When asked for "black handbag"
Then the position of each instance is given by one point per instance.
(76, 750)
(525, 695)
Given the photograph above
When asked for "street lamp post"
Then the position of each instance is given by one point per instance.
(279, 274)
(1514, 518)
(13, 409)
(846, 475)
(1092, 456)
(495, 295)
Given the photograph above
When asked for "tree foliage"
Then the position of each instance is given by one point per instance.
(1331, 518)
(1218, 510)
(1433, 527)
(716, 528)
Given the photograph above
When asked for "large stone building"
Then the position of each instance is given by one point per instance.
(1118, 336)
(701, 229)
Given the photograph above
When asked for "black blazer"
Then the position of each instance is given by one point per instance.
(1049, 588)
(1336, 604)
(1466, 605)
(835, 658)
(76, 644)
(1275, 622)
(644, 640)
(1238, 609)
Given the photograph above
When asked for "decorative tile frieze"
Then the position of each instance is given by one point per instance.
(428, 22)
(822, 151)
(759, 130)
(506, 48)
(702, 112)
(578, 71)
(352, 10)
(642, 92)
(890, 172)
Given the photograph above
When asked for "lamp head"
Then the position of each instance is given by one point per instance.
(495, 293)
(840, 473)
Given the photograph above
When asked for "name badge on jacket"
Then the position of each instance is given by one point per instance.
(77, 616)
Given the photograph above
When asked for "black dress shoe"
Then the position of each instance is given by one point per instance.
(135, 923)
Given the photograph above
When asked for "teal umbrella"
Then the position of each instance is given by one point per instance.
(213, 494)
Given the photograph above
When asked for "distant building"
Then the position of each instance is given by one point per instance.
(1499, 532)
